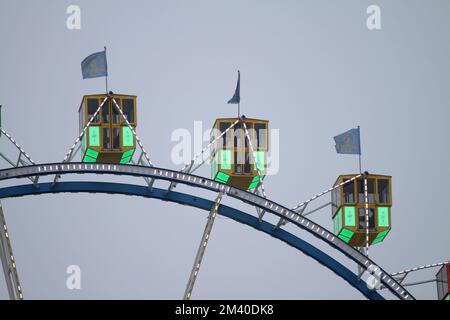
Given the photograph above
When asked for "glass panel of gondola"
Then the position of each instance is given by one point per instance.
(116, 138)
(225, 138)
(105, 112)
(362, 219)
(349, 192)
(106, 139)
(261, 135)
(92, 106)
(383, 191)
(128, 109)
(116, 117)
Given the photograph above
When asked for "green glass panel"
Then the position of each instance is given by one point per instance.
(94, 136)
(380, 237)
(350, 216)
(383, 234)
(256, 178)
(383, 216)
(259, 155)
(92, 153)
(222, 177)
(128, 153)
(225, 156)
(377, 240)
(88, 159)
(344, 238)
(447, 297)
(347, 233)
(254, 184)
(127, 137)
(125, 160)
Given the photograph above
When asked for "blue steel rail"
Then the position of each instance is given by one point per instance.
(200, 203)
(196, 181)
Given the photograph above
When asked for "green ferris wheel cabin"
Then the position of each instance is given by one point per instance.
(233, 162)
(349, 209)
(108, 139)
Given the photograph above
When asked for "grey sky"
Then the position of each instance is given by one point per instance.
(310, 67)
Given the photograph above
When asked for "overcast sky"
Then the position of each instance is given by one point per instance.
(312, 68)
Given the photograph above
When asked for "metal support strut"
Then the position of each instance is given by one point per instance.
(201, 250)
(8, 261)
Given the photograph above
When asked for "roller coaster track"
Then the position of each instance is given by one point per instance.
(172, 176)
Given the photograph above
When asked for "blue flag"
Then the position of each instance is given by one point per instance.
(237, 94)
(348, 142)
(95, 65)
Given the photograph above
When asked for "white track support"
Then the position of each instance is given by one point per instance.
(20, 161)
(140, 162)
(259, 211)
(189, 167)
(316, 209)
(297, 207)
(366, 216)
(401, 275)
(201, 250)
(8, 261)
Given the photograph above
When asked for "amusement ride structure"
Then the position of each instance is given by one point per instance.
(109, 145)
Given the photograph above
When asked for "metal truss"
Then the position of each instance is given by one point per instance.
(202, 248)
(319, 232)
(8, 261)
(401, 275)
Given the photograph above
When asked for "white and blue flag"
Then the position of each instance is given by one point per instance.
(95, 65)
(348, 142)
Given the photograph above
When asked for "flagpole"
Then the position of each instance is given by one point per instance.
(106, 78)
(239, 110)
(359, 134)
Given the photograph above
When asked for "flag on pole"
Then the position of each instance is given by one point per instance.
(237, 93)
(348, 142)
(95, 65)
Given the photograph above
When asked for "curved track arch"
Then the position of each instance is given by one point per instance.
(200, 182)
(204, 204)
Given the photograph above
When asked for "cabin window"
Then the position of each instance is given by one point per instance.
(362, 219)
(261, 135)
(238, 136)
(105, 112)
(349, 192)
(247, 167)
(370, 191)
(116, 138)
(92, 106)
(336, 199)
(223, 126)
(250, 130)
(238, 162)
(116, 116)
(128, 109)
(383, 191)
(106, 139)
